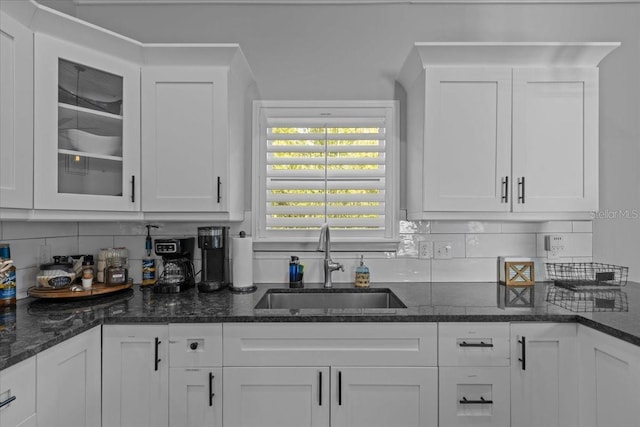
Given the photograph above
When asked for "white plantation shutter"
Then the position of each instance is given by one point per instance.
(326, 165)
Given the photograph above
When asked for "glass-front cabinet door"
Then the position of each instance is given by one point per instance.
(87, 129)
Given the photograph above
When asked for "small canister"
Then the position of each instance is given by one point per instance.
(116, 272)
(148, 272)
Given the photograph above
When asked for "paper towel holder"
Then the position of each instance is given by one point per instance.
(235, 287)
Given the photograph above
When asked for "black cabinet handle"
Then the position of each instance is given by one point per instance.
(340, 388)
(219, 195)
(211, 393)
(475, 344)
(523, 359)
(521, 190)
(505, 190)
(482, 401)
(320, 388)
(6, 402)
(157, 360)
(133, 188)
(193, 345)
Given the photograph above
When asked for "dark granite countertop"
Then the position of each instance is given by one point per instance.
(35, 325)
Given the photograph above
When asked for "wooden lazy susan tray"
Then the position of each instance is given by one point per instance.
(96, 290)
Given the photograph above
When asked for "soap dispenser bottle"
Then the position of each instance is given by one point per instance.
(362, 274)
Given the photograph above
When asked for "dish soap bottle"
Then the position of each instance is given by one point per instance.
(362, 274)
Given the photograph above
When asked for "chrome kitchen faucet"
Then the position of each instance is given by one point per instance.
(324, 244)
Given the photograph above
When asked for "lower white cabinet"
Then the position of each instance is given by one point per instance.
(195, 397)
(384, 396)
(609, 382)
(335, 396)
(135, 375)
(18, 395)
(276, 397)
(68, 382)
(162, 375)
(544, 375)
(474, 396)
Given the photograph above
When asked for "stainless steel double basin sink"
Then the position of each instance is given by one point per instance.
(334, 298)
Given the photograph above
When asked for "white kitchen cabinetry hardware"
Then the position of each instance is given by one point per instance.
(193, 129)
(68, 391)
(474, 396)
(18, 395)
(609, 381)
(544, 375)
(195, 375)
(501, 130)
(87, 133)
(135, 375)
(16, 114)
(301, 374)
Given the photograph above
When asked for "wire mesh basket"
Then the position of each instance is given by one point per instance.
(587, 286)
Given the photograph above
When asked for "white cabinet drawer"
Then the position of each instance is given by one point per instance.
(463, 391)
(19, 382)
(473, 344)
(195, 344)
(347, 344)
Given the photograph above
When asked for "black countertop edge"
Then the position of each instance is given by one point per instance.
(32, 351)
(609, 330)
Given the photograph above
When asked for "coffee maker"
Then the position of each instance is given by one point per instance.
(214, 245)
(177, 265)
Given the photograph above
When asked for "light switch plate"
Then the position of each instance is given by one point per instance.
(442, 250)
(425, 249)
(554, 245)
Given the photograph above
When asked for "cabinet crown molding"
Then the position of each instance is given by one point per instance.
(503, 54)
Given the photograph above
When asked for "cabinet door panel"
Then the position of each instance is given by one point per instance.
(276, 397)
(134, 392)
(544, 393)
(195, 397)
(86, 144)
(555, 139)
(68, 392)
(18, 381)
(461, 388)
(16, 114)
(382, 397)
(468, 139)
(609, 380)
(184, 139)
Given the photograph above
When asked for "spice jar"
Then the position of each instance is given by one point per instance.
(87, 272)
(116, 272)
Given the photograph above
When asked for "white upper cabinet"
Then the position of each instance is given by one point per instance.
(495, 129)
(16, 114)
(193, 129)
(87, 137)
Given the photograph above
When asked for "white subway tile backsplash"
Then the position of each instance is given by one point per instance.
(495, 245)
(464, 270)
(91, 245)
(457, 241)
(25, 252)
(12, 230)
(25, 278)
(537, 227)
(63, 245)
(420, 227)
(465, 227)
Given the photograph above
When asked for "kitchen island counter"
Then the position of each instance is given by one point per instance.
(36, 325)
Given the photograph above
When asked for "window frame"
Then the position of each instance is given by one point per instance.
(342, 239)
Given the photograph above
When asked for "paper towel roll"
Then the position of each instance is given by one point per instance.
(242, 255)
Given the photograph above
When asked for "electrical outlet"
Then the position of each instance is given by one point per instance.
(425, 250)
(442, 250)
(554, 245)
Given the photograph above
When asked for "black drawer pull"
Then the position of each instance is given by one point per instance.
(523, 359)
(482, 401)
(340, 388)
(475, 344)
(320, 388)
(193, 346)
(6, 402)
(211, 393)
(157, 360)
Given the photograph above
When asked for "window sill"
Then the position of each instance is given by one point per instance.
(337, 245)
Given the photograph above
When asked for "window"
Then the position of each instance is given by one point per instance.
(318, 162)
